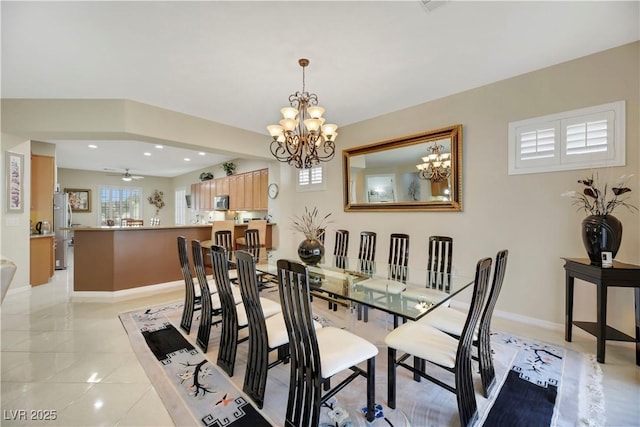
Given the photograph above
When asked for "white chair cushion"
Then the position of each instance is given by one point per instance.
(340, 349)
(425, 342)
(196, 285)
(384, 285)
(447, 320)
(277, 330)
(269, 308)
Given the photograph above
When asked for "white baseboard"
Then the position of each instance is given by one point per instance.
(85, 296)
(515, 317)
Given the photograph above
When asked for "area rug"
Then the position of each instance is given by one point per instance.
(538, 384)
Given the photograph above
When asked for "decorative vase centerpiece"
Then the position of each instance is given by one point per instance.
(311, 249)
(601, 231)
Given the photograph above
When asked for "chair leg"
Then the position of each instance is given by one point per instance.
(418, 365)
(391, 378)
(465, 393)
(487, 372)
(371, 389)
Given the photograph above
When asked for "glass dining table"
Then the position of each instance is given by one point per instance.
(350, 282)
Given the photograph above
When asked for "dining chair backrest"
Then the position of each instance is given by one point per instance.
(342, 243)
(204, 330)
(261, 226)
(222, 225)
(367, 251)
(189, 285)
(252, 238)
(321, 235)
(229, 332)
(224, 238)
(297, 312)
(398, 256)
(485, 358)
(439, 263)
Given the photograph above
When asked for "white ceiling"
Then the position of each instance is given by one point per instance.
(236, 62)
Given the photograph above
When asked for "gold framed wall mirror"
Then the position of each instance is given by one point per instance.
(421, 172)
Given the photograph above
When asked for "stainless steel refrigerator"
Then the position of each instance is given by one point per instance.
(61, 219)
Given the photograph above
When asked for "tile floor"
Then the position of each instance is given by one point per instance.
(74, 358)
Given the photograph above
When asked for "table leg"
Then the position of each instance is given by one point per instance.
(601, 326)
(637, 298)
(568, 319)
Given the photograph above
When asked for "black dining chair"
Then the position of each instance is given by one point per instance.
(439, 262)
(397, 272)
(207, 303)
(265, 334)
(428, 344)
(452, 321)
(439, 259)
(317, 355)
(366, 262)
(234, 316)
(340, 257)
(191, 296)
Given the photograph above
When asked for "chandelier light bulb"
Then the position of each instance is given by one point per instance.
(315, 112)
(289, 112)
(275, 130)
(289, 125)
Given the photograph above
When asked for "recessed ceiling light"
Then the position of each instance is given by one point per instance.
(159, 147)
(186, 159)
(201, 153)
(92, 146)
(147, 154)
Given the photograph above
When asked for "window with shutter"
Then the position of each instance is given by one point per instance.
(579, 139)
(311, 179)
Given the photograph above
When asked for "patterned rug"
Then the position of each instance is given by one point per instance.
(538, 384)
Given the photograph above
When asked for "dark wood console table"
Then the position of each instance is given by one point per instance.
(620, 275)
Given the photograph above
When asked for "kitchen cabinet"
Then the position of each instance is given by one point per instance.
(41, 259)
(42, 188)
(246, 191)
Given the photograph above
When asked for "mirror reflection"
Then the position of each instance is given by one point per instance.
(419, 172)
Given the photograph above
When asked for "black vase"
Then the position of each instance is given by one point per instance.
(310, 251)
(601, 233)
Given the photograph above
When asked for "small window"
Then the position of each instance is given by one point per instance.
(118, 203)
(579, 139)
(311, 179)
(181, 206)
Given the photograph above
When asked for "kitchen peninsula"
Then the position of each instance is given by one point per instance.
(109, 259)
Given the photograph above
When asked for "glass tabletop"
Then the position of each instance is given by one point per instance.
(398, 291)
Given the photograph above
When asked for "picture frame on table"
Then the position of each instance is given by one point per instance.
(79, 199)
(14, 166)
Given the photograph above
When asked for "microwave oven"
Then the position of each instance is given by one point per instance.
(221, 203)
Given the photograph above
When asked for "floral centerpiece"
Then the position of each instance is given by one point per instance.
(601, 231)
(156, 199)
(313, 226)
(596, 201)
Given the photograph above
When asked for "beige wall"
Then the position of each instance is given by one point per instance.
(523, 213)
(14, 227)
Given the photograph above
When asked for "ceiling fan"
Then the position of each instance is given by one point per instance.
(126, 176)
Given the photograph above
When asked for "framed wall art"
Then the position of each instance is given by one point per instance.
(15, 182)
(79, 199)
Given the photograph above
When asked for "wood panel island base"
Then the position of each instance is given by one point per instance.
(116, 259)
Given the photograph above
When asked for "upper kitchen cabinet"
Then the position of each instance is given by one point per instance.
(42, 188)
(246, 191)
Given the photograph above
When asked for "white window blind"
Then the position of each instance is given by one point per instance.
(311, 179)
(117, 203)
(577, 139)
(181, 206)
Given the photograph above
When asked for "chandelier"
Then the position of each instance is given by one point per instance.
(302, 139)
(436, 166)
